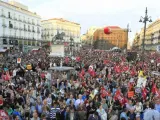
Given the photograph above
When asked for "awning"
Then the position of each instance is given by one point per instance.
(3, 50)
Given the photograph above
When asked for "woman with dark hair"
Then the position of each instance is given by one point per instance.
(102, 113)
(90, 108)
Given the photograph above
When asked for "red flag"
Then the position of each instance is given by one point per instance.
(90, 70)
(144, 93)
(158, 60)
(104, 92)
(78, 59)
(105, 61)
(83, 72)
(154, 89)
(118, 96)
(66, 60)
(117, 69)
(125, 68)
(132, 72)
(65, 44)
(81, 76)
(93, 73)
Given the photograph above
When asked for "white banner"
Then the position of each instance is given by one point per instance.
(57, 50)
(141, 82)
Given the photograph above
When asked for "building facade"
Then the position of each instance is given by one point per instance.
(88, 37)
(19, 27)
(118, 37)
(152, 38)
(136, 41)
(52, 27)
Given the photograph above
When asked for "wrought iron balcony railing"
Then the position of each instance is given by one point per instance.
(4, 25)
(3, 15)
(15, 18)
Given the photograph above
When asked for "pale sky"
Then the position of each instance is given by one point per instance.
(97, 12)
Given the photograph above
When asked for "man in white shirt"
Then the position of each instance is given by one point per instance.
(79, 101)
(151, 113)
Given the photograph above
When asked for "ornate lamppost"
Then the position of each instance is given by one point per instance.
(145, 19)
(128, 30)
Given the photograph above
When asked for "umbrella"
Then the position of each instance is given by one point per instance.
(4, 115)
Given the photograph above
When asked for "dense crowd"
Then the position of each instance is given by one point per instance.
(103, 85)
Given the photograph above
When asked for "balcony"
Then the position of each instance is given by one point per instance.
(9, 17)
(5, 42)
(24, 21)
(33, 23)
(15, 18)
(10, 26)
(20, 29)
(4, 25)
(11, 42)
(25, 29)
(3, 15)
(16, 28)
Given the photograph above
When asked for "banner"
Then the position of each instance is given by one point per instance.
(141, 82)
(130, 94)
(57, 50)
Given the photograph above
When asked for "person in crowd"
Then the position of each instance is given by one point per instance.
(102, 113)
(151, 113)
(97, 88)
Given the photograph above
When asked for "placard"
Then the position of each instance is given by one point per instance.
(18, 60)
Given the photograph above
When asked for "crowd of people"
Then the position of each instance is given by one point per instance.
(104, 85)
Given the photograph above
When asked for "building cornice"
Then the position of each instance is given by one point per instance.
(60, 20)
(23, 11)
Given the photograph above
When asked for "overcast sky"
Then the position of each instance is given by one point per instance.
(97, 12)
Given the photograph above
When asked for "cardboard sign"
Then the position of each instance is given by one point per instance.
(18, 60)
(130, 94)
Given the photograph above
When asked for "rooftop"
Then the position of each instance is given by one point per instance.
(24, 10)
(62, 20)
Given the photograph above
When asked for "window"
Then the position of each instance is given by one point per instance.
(19, 17)
(9, 15)
(33, 28)
(10, 24)
(20, 25)
(14, 15)
(3, 21)
(28, 28)
(24, 26)
(2, 12)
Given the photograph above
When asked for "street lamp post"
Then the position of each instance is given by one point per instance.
(145, 20)
(128, 30)
(71, 48)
